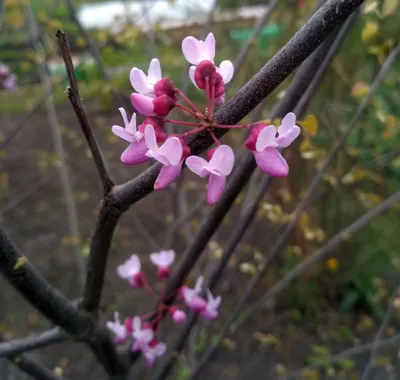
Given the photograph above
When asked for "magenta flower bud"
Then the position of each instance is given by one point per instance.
(205, 69)
(219, 86)
(178, 316)
(163, 105)
(163, 273)
(158, 125)
(255, 130)
(165, 86)
(138, 280)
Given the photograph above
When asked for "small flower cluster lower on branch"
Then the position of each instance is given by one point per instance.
(156, 96)
(144, 329)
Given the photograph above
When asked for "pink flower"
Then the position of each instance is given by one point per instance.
(197, 53)
(217, 169)
(148, 106)
(178, 316)
(211, 310)
(154, 350)
(143, 336)
(121, 331)
(171, 154)
(196, 50)
(130, 270)
(144, 84)
(135, 153)
(264, 143)
(192, 297)
(163, 260)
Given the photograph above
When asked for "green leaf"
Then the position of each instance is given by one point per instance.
(349, 302)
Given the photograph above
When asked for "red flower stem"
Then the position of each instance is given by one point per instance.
(214, 137)
(212, 105)
(208, 96)
(172, 294)
(188, 101)
(187, 110)
(150, 291)
(183, 123)
(230, 126)
(194, 131)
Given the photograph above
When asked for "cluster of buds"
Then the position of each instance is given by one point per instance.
(143, 329)
(8, 80)
(156, 96)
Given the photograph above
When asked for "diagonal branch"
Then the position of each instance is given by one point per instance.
(326, 249)
(73, 95)
(303, 43)
(46, 338)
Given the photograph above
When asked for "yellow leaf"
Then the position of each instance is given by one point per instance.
(80, 42)
(359, 90)
(370, 7)
(310, 124)
(389, 7)
(396, 162)
(267, 340)
(21, 262)
(4, 181)
(369, 31)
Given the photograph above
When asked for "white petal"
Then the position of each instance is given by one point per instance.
(172, 150)
(154, 71)
(140, 82)
(266, 138)
(226, 69)
(190, 49)
(195, 164)
(150, 138)
(287, 123)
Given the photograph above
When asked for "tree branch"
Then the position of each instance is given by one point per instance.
(46, 338)
(30, 366)
(73, 95)
(53, 305)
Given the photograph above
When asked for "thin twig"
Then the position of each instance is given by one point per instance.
(94, 51)
(258, 27)
(379, 335)
(46, 338)
(73, 95)
(66, 187)
(358, 350)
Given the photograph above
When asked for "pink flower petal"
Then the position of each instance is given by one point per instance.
(154, 71)
(140, 83)
(226, 70)
(167, 175)
(190, 49)
(135, 153)
(223, 159)
(287, 123)
(192, 69)
(271, 162)
(216, 186)
(150, 137)
(129, 268)
(195, 164)
(143, 104)
(172, 150)
(266, 138)
(208, 48)
(122, 133)
(286, 139)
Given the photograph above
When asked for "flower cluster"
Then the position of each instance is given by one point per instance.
(8, 80)
(156, 96)
(144, 329)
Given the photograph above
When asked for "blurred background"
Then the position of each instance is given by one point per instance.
(50, 192)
